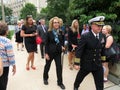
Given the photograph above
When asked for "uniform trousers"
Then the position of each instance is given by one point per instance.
(97, 75)
(4, 78)
(57, 59)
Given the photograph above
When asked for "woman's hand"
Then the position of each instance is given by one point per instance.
(47, 57)
(1, 67)
(63, 48)
(74, 46)
(14, 70)
(76, 67)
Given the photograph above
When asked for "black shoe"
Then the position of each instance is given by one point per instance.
(75, 88)
(45, 82)
(61, 86)
(42, 57)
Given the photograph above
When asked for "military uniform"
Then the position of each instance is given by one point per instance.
(89, 54)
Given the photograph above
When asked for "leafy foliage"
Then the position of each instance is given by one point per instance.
(8, 12)
(28, 9)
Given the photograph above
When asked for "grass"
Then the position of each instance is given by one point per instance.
(10, 34)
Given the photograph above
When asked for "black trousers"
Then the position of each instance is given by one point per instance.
(57, 59)
(42, 49)
(4, 78)
(97, 74)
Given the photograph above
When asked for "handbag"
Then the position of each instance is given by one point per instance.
(113, 51)
(38, 40)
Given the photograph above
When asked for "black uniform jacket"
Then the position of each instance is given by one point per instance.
(90, 50)
(51, 47)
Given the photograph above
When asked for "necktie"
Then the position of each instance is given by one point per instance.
(97, 37)
(44, 29)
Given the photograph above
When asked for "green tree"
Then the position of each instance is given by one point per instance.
(86, 9)
(8, 12)
(28, 9)
(56, 8)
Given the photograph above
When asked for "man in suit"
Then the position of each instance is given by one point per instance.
(42, 30)
(90, 52)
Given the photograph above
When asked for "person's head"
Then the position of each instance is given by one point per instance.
(106, 29)
(29, 20)
(19, 23)
(75, 25)
(97, 24)
(42, 21)
(84, 26)
(54, 23)
(3, 29)
(22, 21)
(34, 22)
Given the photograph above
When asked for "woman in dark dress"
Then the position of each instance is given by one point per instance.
(72, 41)
(18, 38)
(53, 48)
(29, 32)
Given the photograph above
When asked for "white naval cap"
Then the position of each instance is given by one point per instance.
(97, 20)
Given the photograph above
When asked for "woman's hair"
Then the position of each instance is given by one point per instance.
(3, 28)
(61, 22)
(108, 28)
(51, 22)
(73, 26)
(26, 20)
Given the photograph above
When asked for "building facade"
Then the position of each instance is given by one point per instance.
(17, 5)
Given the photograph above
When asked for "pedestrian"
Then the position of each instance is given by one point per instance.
(53, 49)
(7, 55)
(18, 38)
(85, 29)
(109, 40)
(1, 67)
(90, 52)
(72, 41)
(29, 32)
(42, 30)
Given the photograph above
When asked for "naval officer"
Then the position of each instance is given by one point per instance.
(89, 53)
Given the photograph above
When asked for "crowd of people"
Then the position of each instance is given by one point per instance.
(85, 48)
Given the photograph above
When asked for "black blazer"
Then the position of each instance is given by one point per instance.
(90, 50)
(42, 33)
(51, 48)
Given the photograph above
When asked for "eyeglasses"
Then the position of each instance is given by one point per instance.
(55, 22)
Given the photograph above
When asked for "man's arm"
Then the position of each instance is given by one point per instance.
(79, 50)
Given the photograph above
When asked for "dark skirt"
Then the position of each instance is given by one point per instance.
(19, 39)
(30, 45)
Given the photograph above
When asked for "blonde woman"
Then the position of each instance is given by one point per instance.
(109, 40)
(72, 41)
(1, 67)
(53, 48)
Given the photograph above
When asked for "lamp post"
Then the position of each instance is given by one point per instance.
(3, 12)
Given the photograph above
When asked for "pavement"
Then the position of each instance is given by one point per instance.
(33, 79)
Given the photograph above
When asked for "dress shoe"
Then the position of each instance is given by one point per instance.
(75, 88)
(34, 68)
(61, 86)
(45, 82)
(42, 57)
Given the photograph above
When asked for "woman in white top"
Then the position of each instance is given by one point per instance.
(109, 40)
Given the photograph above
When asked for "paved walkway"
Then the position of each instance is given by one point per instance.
(32, 80)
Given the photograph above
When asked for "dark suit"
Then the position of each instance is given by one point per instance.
(42, 34)
(54, 51)
(90, 50)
